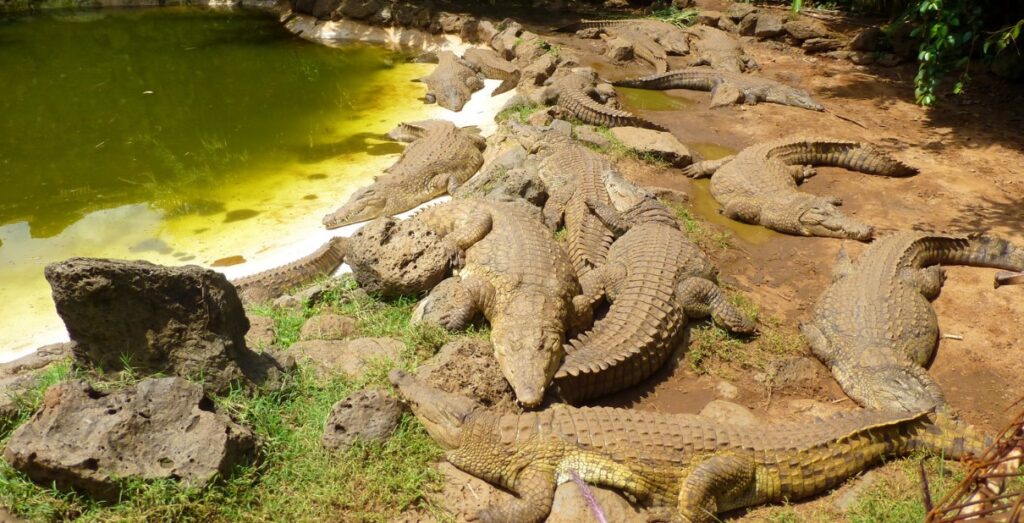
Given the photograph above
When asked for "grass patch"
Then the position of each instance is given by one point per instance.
(676, 16)
(897, 497)
(520, 113)
(697, 231)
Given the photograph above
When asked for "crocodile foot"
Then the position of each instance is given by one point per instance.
(1009, 278)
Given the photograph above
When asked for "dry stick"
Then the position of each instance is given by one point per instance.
(848, 119)
(925, 490)
(588, 496)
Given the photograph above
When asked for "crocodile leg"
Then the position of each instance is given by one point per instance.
(601, 282)
(706, 168)
(743, 210)
(844, 266)
(554, 207)
(801, 172)
(609, 216)
(465, 233)
(721, 478)
(452, 304)
(1009, 278)
(701, 298)
(928, 280)
(536, 489)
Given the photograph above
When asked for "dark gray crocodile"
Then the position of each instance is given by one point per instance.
(493, 66)
(513, 273)
(272, 283)
(719, 50)
(671, 38)
(875, 328)
(753, 89)
(655, 279)
(576, 104)
(440, 158)
(759, 185)
(452, 82)
(687, 468)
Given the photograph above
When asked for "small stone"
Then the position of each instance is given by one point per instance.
(683, 4)
(805, 28)
(287, 301)
(726, 24)
(740, 10)
(888, 60)
(848, 497)
(869, 39)
(616, 4)
(588, 134)
(862, 58)
(838, 55)
(659, 143)
(727, 390)
(571, 507)
(366, 415)
(618, 50)
(769, 25)
(528, 48)
(485, 30)
(589, 33)
(359, 9)
(349, 357)
(709, 18)
(796, 371)
(562, 127)
(316, 293)
(747, 25)
(538, 71)
(730, 413)
(450, 23)
(726, 94)
(505, 41)
(392, 257)
(539, 118)
(261, 332)
(162, 428)
(814, 408)
(822, 45)
(328, 327)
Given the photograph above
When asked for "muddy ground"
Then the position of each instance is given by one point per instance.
(969, 150)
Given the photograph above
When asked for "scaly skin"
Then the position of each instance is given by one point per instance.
(671, 38)
(759, 185)
(493, 66)
(452, 82)
(518, 277)
(440, 158)
(580, 106)
(655, 279)
(274, 282)
(875, 328)
(644, 47)
(754, 89)
(718, 49)
(689, 466)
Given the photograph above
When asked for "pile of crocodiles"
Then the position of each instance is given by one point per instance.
(492, 254)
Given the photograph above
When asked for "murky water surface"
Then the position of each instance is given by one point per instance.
(652, 100)
(177, 136)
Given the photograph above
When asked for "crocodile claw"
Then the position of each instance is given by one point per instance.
(1009, 278)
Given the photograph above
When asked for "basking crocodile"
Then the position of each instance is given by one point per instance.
(671, 38)
(440, 158)
(753, 89)
(688, 467)
(275, 282)
(875, 328)
(578, 105)
(452, 82)
(644, 47)
(718, 49)
(759, 185)
(493, 66)
(655, 279)
(517, 276)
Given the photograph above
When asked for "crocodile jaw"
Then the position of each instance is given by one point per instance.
(443, 414)
(365, 204)
(825, 220)
(528, 353)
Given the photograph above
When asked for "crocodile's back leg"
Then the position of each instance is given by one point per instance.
(742, 210)
(719, 483)
(701, 298)
(452, 304)
(536, 489)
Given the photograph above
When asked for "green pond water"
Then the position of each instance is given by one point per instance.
(652, 100)
(178, 135)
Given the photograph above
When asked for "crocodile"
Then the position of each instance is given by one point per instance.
(439, 159)
(576, 104)
(719, 50)
(516, 275)
(759, 185)
(452, 82)
(874, 326)
(644, 47)
(671, 38)
(492, 65)
(272, 283)
(753, 89)
(655, 279)
(686, 467)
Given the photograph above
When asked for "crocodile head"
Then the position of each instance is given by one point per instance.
(798, 98)
(443, 414)
(906, 388)
(528, 346)
(820, 217)
(365, 204)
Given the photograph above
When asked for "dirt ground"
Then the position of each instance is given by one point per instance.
(969, 150)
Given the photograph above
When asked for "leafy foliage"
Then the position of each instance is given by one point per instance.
(676, 16)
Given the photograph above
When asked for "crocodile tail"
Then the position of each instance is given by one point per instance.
(583, 108)
(975, 251)
(271, 283)
(847, 154)
(694, 79)
(584, 24)
(950, 438)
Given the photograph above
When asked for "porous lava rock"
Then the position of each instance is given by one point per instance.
(164, 428)
(349, 357)
(390, 257)
(187, 321)
(570, 506)
(21, 376)
(367, 415)
(466, 366)
(328, 326)
(657, 143)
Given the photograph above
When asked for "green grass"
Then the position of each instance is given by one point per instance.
(898, 498)
(676, 16)
(518, 112)
(699, 232)
(295, 478)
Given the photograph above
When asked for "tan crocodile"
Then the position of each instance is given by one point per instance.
(576, 104)
(687, 468)
(272, 283)
(492, 65)
(655, 279)
(751, 89)
(644, 47)
(875, 328)
(671, 38)
(440, 158)
(759, 185)
(452, 82)
(516, 276)
(719, 50)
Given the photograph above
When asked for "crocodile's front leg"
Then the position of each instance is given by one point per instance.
(554, 207)
(743, 210)
(609, 216)
(536, 489)
(706, 168)
(454, 304)
(465, 233)
(700, 298)
(717, 484)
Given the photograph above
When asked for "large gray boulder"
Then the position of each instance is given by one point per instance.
(657, 143)
(366, 415)
(187, 321)
(164, 428)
